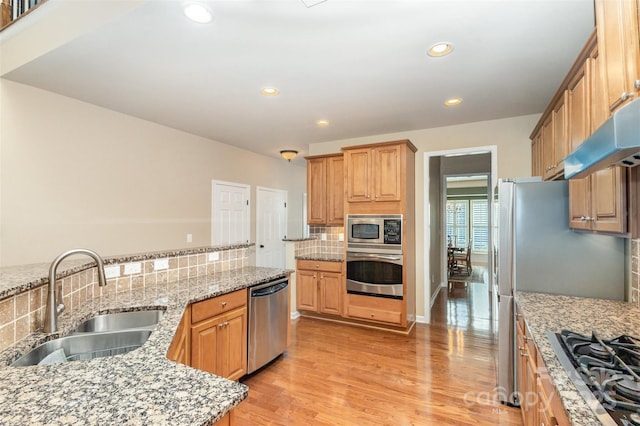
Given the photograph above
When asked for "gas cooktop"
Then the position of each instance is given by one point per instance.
(606, 372)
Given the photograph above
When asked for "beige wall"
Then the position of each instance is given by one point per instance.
(510, 136)
(74, 174)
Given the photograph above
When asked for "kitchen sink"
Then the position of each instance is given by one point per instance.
(121, 321)
(84, 346)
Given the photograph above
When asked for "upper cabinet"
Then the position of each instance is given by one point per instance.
(325, 190)
(378, 173)
(618, 40)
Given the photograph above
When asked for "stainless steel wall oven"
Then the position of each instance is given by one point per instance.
(374, 255)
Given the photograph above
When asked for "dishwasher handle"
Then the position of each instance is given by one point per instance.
(269, 288)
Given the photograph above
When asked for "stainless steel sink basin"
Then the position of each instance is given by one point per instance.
(84, 346)
(121, 321)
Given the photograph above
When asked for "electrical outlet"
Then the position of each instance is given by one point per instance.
(189, 238)
(132, 268)
(112, 271)
(341, 236)
(323, 237)
(160, 264)
(214, 256)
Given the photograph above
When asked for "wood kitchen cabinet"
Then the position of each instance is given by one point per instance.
(219, 335)
(377, 173)
(319, 287)
(536, 155)
(537, 397)
(618, 43)
(180, 348)
(325, 190)
(599, 201)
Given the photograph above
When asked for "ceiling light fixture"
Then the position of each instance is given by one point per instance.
(322, 123)
(453, 101)
(440, 49)
(288, 154)
(270, 91)
(198, 13)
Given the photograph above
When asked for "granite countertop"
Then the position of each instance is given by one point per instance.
(140, 387)
(545, 312)
(321, 258)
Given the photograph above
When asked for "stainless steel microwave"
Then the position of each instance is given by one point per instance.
(382, 232)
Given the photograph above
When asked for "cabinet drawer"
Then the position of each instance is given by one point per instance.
(318, 265)
(375, 308)
(217, 305)
(374, 314)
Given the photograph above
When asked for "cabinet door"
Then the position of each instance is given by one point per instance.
(531, 393)
(520, 368)
(536, 150)
(617, 27)
(597, 91)
(560, 139)
(335, 190)
(577, 107)
(548, 149)
(316, 191)
(388, 173)
(232, 345)
(204, 345)
(330, 293)
(307, 290)
(358, 165)
(609, 197)
(580, 203)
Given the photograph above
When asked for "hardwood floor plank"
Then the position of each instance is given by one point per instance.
(444, 373)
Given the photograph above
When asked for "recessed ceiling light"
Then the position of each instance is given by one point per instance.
(453, 101)
(322, 123)
(440, 49)
(198, 13)
(269, 91)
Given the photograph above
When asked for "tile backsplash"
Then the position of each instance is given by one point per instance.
(328, 242)
(23, 313)
(635, 272)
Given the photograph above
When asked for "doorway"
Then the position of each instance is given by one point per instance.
(457, 165)
(271, 227)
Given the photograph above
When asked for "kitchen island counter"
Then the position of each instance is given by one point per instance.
(140, 387)
(545, 312)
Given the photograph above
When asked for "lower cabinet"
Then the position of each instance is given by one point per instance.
(319, 287)
(539, 403)
(212, 336)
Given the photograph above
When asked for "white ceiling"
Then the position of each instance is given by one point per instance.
(361, 64)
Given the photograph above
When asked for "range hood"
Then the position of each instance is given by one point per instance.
(617, 141)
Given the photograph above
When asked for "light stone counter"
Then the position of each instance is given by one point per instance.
(141, 387)
(545, 312)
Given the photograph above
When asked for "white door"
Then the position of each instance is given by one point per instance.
(230, 214)
(271, 227)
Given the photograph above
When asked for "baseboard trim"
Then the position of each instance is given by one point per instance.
(295, 315)
(435, 294)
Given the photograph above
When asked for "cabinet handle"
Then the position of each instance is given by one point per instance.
(523, 354)
(223, 324)
(518, 316)
(322, 277)
(224, 304)
(526, 339)
(315, 277)
(372, 315)
(623, 97)
(636, 84)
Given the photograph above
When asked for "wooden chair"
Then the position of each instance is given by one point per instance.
(464, 258)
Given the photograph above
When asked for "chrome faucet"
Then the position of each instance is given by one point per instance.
(54, 305)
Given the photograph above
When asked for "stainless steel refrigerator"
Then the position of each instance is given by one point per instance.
(538, 252)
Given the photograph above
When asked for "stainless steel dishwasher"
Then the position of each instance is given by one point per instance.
(268, 320)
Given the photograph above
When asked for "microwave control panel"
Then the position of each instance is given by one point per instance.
(393, 231)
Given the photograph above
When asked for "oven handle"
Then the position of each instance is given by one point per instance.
(353, 255)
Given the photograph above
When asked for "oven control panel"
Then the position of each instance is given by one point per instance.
(393, 231)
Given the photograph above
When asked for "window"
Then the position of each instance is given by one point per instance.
(468, 219)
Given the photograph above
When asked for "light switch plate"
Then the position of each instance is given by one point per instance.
(214, 256)
(160, 264)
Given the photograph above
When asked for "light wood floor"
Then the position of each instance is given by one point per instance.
(332, 374)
